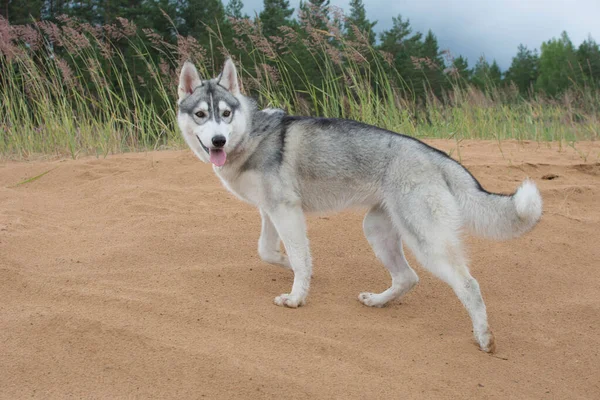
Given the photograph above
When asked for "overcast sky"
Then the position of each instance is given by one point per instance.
(475, 27)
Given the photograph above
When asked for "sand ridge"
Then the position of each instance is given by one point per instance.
(115, 282)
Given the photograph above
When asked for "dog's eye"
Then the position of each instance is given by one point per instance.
(200, 114)
(226, 113)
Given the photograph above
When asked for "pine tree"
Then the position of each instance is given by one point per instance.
(88, 11)
(588, 56)
(494, 75)
(480, 73)
(461, 73)
(358, 18)
(275, 13)
(433, 70)
(485, 76)
(559, 67)
(403, 45)
(523, 71)
(197, 16)
(154, 17)
(234, 9)
(397, 40)
(315, 13)
(51, 9)
(20, 12)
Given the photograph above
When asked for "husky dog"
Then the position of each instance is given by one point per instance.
(288, 165)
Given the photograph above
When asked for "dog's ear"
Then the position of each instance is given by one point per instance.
(229, 79)
(188, 80)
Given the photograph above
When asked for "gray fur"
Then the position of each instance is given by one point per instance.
(212, 93)
(287, 165)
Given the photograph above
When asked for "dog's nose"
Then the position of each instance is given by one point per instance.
(219, 141)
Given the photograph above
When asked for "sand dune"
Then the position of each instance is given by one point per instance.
(136, 276)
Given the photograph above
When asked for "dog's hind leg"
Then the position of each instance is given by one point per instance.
(387, 245)
(268, 243)
(429, 222)
(467, 290)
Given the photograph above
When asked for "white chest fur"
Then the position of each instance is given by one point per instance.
(247, 185)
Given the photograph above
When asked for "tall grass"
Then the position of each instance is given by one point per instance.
(72, 89)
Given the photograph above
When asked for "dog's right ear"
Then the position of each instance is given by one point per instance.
(188, 80)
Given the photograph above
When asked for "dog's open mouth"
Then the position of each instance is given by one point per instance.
(217, 157)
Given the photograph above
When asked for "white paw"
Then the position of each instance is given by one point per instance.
(371, 299)
(287, 300)
(487, 342)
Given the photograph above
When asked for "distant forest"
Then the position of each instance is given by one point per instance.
(100, 76)
(557, 66)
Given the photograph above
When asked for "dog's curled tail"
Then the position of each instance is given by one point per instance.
(498, 216)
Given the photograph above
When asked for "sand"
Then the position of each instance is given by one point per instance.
(136, 276)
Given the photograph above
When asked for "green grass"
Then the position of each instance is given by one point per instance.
(32, 179)
(90, 102)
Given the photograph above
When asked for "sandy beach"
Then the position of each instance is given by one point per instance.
(137, 276)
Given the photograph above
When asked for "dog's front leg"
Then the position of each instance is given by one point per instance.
(268, 244)
(291, 226)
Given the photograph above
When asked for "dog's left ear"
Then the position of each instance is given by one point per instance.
(229, 79)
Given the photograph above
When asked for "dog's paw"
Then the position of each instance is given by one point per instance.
(371, 299)
(487, 341)
(287, 300)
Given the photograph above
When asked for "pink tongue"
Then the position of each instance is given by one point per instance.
(217, 157)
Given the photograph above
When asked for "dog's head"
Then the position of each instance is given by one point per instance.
(212, 113)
